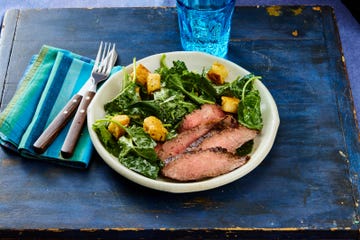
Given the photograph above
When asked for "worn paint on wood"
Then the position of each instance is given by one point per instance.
(307, 186)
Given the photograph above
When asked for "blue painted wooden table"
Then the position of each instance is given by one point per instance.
(308, 185)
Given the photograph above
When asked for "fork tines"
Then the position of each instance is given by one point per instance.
(103, 57)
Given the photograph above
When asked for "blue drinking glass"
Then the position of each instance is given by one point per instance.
(205, 25)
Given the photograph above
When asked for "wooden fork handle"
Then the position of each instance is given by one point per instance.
(55, 127)
(73, 135)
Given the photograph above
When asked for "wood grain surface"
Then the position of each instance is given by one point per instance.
(308, 185)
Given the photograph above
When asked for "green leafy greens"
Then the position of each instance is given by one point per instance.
(194, 86)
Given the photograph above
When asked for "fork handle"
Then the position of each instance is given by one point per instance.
(73, 135)
(55, 127)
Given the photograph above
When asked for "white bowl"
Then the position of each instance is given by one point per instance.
(195, 61)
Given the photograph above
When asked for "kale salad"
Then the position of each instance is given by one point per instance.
(158, 101)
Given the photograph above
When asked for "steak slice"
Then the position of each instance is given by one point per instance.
(229, 138)
(202, 164)
(207, 113)
(182, 141)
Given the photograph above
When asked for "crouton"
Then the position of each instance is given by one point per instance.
(229, 104)
(153, 82)
(141, 74)
(217, 73)
(154, 127)
(114, 128)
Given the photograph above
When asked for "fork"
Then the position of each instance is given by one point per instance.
(104, 62)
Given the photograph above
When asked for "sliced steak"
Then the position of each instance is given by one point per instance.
(229, 138)
(207, 113)
(202, 164)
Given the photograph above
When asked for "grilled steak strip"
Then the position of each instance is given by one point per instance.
(229, 138)
(206, 114)
(202, 164)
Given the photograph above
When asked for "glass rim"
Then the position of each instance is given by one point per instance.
(181, 4)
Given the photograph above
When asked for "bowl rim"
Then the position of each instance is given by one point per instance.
(184, 187)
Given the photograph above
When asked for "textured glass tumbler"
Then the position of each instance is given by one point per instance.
(205, 25)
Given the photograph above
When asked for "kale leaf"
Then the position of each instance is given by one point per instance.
(105, 137)
(245, 149)
(168, 105)
(140, 165)
(249, 112)
(122, 102)
(137, 152)
(194, 86)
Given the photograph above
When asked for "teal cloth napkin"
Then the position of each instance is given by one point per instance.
(51, 79)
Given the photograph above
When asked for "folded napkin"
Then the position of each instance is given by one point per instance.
(51, 79)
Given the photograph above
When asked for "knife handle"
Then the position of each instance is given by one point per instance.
(55, 127)
(73, 135)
